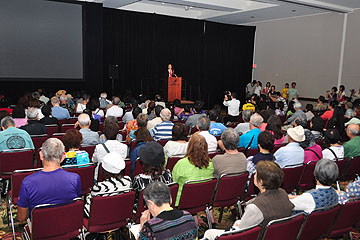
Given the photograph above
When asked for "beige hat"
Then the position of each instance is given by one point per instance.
(296, 133)
(113, 163)
(354, 120)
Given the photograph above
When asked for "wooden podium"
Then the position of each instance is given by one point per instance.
(173, 88)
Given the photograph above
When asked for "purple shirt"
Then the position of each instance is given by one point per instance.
(55, 187)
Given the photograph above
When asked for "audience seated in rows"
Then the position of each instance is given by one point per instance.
(33, 126)
(103, 100)
(89, 137)
(12, 137)
(203, 125)
(57, 111)
(178, 145)
(326, 172)
(162, 131)
(352, 190)
(132, 125)
(316, 127)
(272, 203)
(81, 106)
(298, 114)
(73, 155)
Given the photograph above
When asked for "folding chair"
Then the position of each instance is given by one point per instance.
(352, 169)
(348, 216)
(276, 147)
(196, 196)
(63, 121)
(318, 223)
(89, 149)
(174, 188)
(86, 173)
(250, 233)
(56, 221)
(67, 126)
(121, 125)
(14, 159)
(213, 154)
(171, 162)
(162, 142)
(307, 179)
(284, 228)
(229, 190)
(342, 164)
(252, 152)
(72, 120)
(59, 136)
(292, 174)
(138, 168)
(38, 140)
(51, 129)
(109, 212)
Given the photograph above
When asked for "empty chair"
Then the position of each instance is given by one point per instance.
(250, 233)
(86, 173)
(318, 223)
(284, 228)
(292, 174)
(56, 221)
(307, 179)
(14, 159)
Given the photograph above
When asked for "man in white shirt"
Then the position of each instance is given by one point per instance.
(203, 125)
(233, 105)
(115, 110)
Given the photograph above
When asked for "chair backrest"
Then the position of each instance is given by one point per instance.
(59, 136)
(38, 140)
(132, 147)
(14, 160)
(110, 212)
(16, 179)
(284, 228)
(307, 179)
(67, 126)
(342, 163)
(292, 174)
(352, 169)
(348, 216)
(277, 146)
(251, 190)
(162, 142)
(318, 223)
(121, 125)
(174, 188)
(196, 195)
(251, 233)
(171, 162)
(51, 129)
(252, 152)
(63, 121)
(57, 221)
(72, 120)
(229, 189)
(89, 149)
(213, 154)
(86, 173)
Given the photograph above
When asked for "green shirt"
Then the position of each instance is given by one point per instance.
(184, 171)
(292, 93)
(352, 147)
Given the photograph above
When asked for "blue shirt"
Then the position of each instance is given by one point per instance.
(163, 131)
(60, 113)
(14, 138)
(290, 154)
(53, 187)
(216, 128)
(246, 138)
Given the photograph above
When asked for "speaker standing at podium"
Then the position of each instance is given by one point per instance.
(171, 72)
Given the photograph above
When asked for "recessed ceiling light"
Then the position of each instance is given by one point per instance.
(162, 3)
(294, 10)
(252, 17)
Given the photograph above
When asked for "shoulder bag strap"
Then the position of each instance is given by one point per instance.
(333, 153)
(106, 149)
(314, 153)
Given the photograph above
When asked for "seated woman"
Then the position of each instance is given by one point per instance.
(336, 150)
(184, 115)
(132, 125)
(114, 180)
(326, 172)
(272, 203)
(178, 145)
(196, 164)
(74, 156)
(48, 119)
(110, 120)
(352, 190)
(312, 150)
(274, 126)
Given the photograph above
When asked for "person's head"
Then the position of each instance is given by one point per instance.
(136, 111)
(230, 139)
(169, 66)
(7, 122)
(34, 102)
(142, 120)
(273, 88)
(300, 122)
(156, 195)
(177, 103)
(317, 124)
(259, 84)
(348, 105)
(234, 95)
(309, 107)
(321, 99)
(213, 115)
(274, 125)
(266, 140)
(253, 82)
(268, 84)
(113, 165)
(84, 120)
(143, 135)
(116, 101)
(326, 172)
(152, 157)
(63, 98)
(265, 114)
(55, 101)
(158, 98)
(187, 108)
(52, 150)
(277, 94)
(179, 132)
(342, 88)
(72, 139)
(203, 123)
(197, 151)
(32, 113)
(158, 110)
(332, 105)
(18, 112)
(111, 128)
(332, 136)
(198, 107)
(256, 120)
(46, 111)
(286, 85)
(35, 95)
(165, 114)
(293, 84)
(268, 175)
(334, 89)
(352, 130)
(103, 95)
(86, 98)
(296, 134)
(246, 114)
(309, 139)
(297, 106)
(4, 114)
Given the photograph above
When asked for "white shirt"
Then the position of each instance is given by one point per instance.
(233, 107)
(339, 151)
(115, 111)
(258, 90)
(305, 202)
(243, 127)
(152, 123)
(173, 148)
(99, 112)
(80, 108)
(128, 116)
(211, 141)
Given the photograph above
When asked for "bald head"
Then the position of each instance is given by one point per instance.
(353, 130)
(165, 114)
(84, 120)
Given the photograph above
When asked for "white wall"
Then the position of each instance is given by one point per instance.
(307, 50)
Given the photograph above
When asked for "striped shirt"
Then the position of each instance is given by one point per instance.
(163, 131)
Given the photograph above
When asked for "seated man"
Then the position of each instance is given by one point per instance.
(351, 147)
(251, 137)
(163, 131)
(292, 153)
(203, 125)
(216, 128)
(192, 120)
(33, 126)
(272, 202)
(51, 185)
(89, 137)
(244, 127)
(57, 111)
(299, 114)
(326, 172)
(167, 223)
(115, 110)
(12, 137)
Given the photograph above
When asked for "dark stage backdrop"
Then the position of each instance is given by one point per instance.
(211, 57)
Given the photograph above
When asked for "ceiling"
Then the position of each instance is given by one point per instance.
(233, 11)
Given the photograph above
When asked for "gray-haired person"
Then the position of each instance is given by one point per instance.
(244, 127)
(326, 172)
(170, 223)
(12, 137)
(50, 185)
(299, 114)
(89, 137)
(203, 124)
(33, 126)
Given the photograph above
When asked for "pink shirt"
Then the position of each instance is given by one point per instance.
(263, 127)
(20, 122)
(310, 156)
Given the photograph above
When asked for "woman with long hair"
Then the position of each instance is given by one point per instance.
(274, 126)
